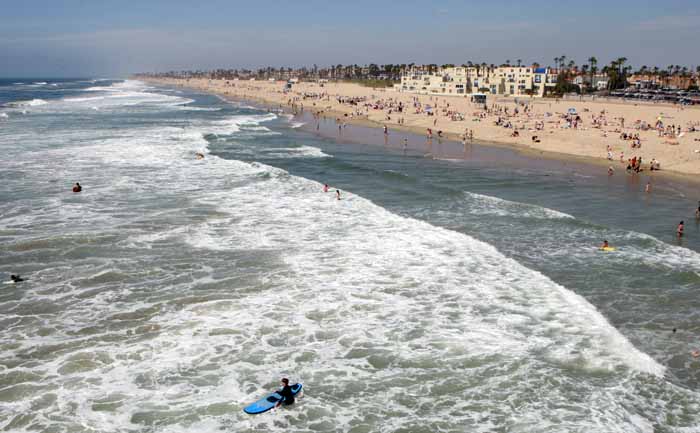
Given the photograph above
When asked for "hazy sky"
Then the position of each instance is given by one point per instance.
(108, 38)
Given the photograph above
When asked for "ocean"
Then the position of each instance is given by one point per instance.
(437, 295)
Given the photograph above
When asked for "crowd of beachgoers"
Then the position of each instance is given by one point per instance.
(666, 136)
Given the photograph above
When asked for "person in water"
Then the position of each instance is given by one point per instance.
(325, 187)
(605, 245)
(15, 278)
(679, 230)
(286, 393)
(77, 187)
(337, 193)
(697, 212)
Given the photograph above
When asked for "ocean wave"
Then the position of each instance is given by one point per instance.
(296, 152)
(480, 204)
(95, 98)
(233, 124)
(188, 108)
(28, 103)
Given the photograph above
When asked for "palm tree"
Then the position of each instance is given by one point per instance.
(594, 67)
(556, 62)
(520, 62)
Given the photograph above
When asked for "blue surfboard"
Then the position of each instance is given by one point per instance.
(268, 402)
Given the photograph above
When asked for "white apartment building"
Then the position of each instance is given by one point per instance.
(505, 80)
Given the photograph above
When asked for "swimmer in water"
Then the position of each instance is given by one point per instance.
(679, 230)
(337, 193)
(286, 393)
(647, 188)
(697, 212)
(325, 187)
(605, 245)
(611, 171)
(77, 187)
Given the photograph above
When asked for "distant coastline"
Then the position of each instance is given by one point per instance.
(585, 144)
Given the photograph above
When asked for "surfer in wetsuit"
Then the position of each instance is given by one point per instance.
(286, 393)
(605, 245)
(15, 278)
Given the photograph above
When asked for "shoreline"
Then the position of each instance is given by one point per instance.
(690, 179)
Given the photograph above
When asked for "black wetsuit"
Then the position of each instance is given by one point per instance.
(287, 395)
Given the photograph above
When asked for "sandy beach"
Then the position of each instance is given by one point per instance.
(596, 131)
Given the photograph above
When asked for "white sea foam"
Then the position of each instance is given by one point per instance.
(4, 115)
(296, 125)
(29, 103)
(673, 257)
(188, 108)
(297, 152)
(480, 204)
(233, 124)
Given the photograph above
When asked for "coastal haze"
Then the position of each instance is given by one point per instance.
(450, 280)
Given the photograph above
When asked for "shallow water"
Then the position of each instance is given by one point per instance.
(434, 296)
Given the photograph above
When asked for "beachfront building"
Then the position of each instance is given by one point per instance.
(466, 80)
(596, 81)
